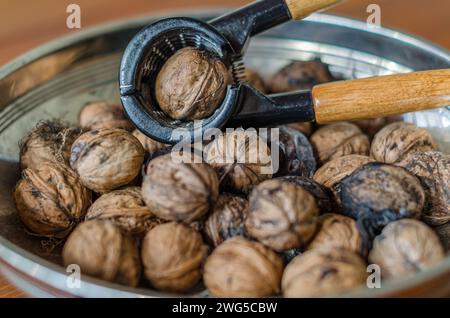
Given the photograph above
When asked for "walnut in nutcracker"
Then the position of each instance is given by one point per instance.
(172, 255)
(150, 145)
(51, 199)
(405, 247)
(339, 139)
(102, 251)
(227, 218)
(126, 209)
(106, 159)
(242, 268)
(323, 272)
(397, 142)
(282, 215)
(433, 170)
(49, 141)
(103, 114)
(335, 231)
(191, 84)
(241, 158)
(179, 191)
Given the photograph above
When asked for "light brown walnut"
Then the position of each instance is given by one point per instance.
(102, 114)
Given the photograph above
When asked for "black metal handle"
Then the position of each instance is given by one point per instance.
(250, 20)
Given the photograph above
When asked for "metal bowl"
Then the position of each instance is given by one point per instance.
(56, 80)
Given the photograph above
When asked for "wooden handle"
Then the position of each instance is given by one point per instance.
(381, 96)
(300, 9)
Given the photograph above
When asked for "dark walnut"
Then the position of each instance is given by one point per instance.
(191, 84)
(126, 209)
(102, 114)
(102, 251)
(254, 79)
(433, 170)
(377, 194)
(299, 75)
(243, 268)
(323, 272)
(405, 247)
(227, 219)
(106, 159)
(150, 145)
(339, 139)
(296, 153)
(51, 200)
(305, 128)
(178, 191)
(172, 255)
(336, 231)
(397, 142)
(324, 198)
(242, 159)
(282, 215)
(371, 126)
(49, 141)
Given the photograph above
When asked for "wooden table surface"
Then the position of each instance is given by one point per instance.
(26, 24)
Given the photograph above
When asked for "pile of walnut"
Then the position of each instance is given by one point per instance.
(346, 195)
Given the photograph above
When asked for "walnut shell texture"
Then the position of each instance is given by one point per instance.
(405, 247)
(172, 255)
(372, 126)
(191, 84)
(243, 268)
(282, 215)
(106, 159)
(150, 145)
(178, 191)
(339, 139)
(49, 141)
(299, 75)
(102, 251)
(337, 232)
(227, 218)
(433, 170)
(51, 200)
(395, 143)
(323, 272)
(242, 159)
(126, 209)
(102, 114)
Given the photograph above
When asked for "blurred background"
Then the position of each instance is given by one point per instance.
(25, 24)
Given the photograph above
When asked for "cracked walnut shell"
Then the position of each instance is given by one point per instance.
(51, 200)
(242, 268)
(102, 251)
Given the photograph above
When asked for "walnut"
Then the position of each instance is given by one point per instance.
(337, 232)
(102, 251)
(178, 191)
(242, 268)
(282, 215)
(49, 141)
(397, 142)
(332, 172)
(371, 126)
(339, 139)
(106, 159)
(324, 199)
(172, 255)
(102, 114)
(150, 145)
(377, 194)
(242, 159)
(405, 247)
(433, 171)
(443, 231)
(227, 218)
(296, 153)
(299, 75)
(323, 272)
(254, 79)
(191, 84)
(51, 200)
(305, 128)
(126, 209)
